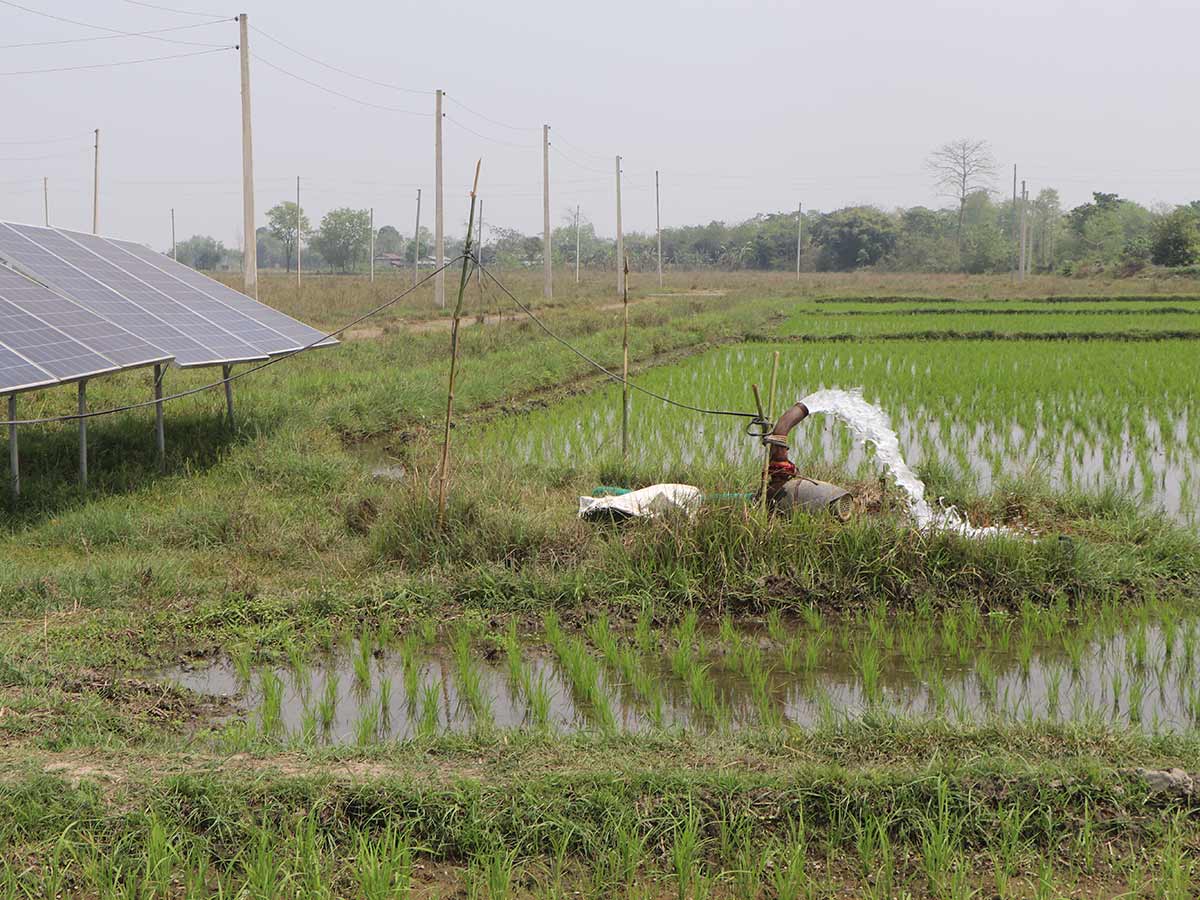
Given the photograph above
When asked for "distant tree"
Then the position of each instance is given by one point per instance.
(854, 237)
(281, 222)
(270, 249)
(201, 252)
(1175, 239)
(961, 168)
(388, 240)
(344, 237)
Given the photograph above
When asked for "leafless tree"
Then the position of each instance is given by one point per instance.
(960, 168)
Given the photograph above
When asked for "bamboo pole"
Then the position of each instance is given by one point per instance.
(444, 471)
(770, 418)
(625, 365)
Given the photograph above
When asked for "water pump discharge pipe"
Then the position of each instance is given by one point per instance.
(788, 490)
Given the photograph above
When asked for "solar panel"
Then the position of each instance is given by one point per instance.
(68, 280)
(221, 346)
(262, 338)
(300, 334)
(19, 374)
(74, 321)
(48, 348)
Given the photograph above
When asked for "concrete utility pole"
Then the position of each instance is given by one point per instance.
(96, 187)
(249, 238)
(547, 250)
(299, 232)
(174, 246)
(372, 245)
(417, 240)
(1021, 263)
(658, 227)
(620, 238)
(46, 198)
(1014, 223)
(439, 238)
(799, 235)
(577, 243)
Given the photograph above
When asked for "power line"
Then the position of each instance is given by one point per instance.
(333, 68)
(495, 122)
(124, 62)
(576, 163)
(181, 12)
(580, 150)
(62, 140)
(116, 31)
(336, 93)
(469, 129)
(76, 152)
(117, 37)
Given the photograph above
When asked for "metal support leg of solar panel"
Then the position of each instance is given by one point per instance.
(160, 436)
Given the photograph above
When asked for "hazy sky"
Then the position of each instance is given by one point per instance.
(745, 107)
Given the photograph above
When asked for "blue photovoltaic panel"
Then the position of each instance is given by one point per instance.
(298, 332)
(18, 373)
(92, 295)
(48, 348)
(74, 321)
(263, 338)
(223, 347)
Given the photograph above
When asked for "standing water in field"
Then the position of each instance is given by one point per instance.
(870, 424)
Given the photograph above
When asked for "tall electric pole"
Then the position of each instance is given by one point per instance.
(299, 231)
(439, 237)
(417, 240)
(1016, 259)
(547, 251)
(96, 187)
(658, 227)
(620, 238)
(1021, 265)
(249, 239)
(799, 235)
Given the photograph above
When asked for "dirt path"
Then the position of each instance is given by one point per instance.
(432, 326)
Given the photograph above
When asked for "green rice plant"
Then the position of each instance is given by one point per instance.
(583, 673)
(385, 701)
(1135, 697)
(410, 665)
(428, 631)
(493, 870)
(470, 679)
(939, 840)
(769, 714)
(297, 666)
(309, 723)
(242, 656)
(643, 633)
(790, 877)
(366, 731)
(362, 664)
(646, 686)
(327, 709)
(537, 695)
(518, 669)
(775, 627)
(868, 665)
(386, 633)
(430, 724)
(271, 710)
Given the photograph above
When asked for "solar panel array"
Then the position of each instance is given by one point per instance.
(75, 305)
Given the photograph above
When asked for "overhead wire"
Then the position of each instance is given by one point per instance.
(69, 153)
(337, 93)
(118, 63)
(485, 137)
(94, 414)
(171, 9)
(753, 417)
(62, 140)
(338, 69)
(486, 118)
(119, 32)
(115, 37)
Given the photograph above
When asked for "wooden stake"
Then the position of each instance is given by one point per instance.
(417, 240)
(444, 473)
(625, 366)
(249, 238)
(577, 243)
(439, 217)
(547, 250)
(770, 418)
(620, 236)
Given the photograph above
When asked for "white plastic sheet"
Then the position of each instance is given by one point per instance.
(645, 503)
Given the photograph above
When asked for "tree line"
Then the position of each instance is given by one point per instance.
(977, 232)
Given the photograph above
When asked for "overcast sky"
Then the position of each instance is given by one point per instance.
(744, 107)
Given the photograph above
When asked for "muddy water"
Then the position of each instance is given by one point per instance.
(1145, 677)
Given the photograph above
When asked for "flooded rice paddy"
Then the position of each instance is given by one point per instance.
(1120, 667)
(1092, 415)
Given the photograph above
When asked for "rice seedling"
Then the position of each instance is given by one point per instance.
(366, 731)
(362, 664)
(327, 709)
(429, 725)
(537, 697)
(271, 709)
(242, 656)
(583, 673)
(470, 679)
(383, 867)
(518, 669)
(686, 849)
(775, 627)
(386, 633)
(385, 701)
(868, 666)
(297, 666)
